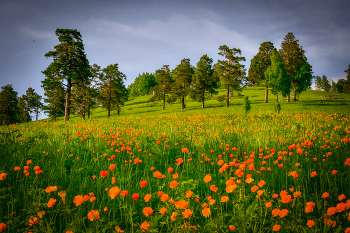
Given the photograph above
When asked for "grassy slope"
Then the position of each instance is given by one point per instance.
(309, 102)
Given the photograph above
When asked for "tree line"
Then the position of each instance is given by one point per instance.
(72, 85)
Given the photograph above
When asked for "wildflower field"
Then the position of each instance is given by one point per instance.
(177, 173)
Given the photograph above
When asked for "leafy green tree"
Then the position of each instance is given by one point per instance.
(142, 85)
(162, 89)
(230, 71)
(326, 86)
(340, 85)
(346, 86)
(37, 105)
(23, 111)
(259, 64)
(27, 104)
(8, 105)
(54, 93)
(318, 82)
(302, 79)
(69, 63)
(333, 87)
(204, 83)
(112, 89)
(293, 57)
(277, 76)
(182, 76)
(246, 104)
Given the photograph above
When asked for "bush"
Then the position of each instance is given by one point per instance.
(246, 104)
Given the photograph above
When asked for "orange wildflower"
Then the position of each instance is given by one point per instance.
(181, 204)
(341, 207)
(189, 194)
(164, 197)
(112, 167)
(313, 174)
(297, 194)
(113, 180)
(17, 168)
(286, 199)
(135, 196)
(147, 211)
(3, 176)
(206, 212)
(211, 202)
(341, 197)
(232, 227)
(93, 214)
(173, 184)
(78, 200)
(283, 213)
(118, 229)
(113, 192)
(334, 172)
(179, 161)
(254, 188)
(275, 212)
(104, 173)
(268, 204)
(51, 202)
(170, 169)
(173, 216)
(33, 220)
(41, 213)
(124, 193)
(147, 197)
(331, 211)
(249, 180)
(175, 176)
(2, 227)
(184, 150)
(207, 178)
(51, 189)
(224, 199)
(276, 227)
(294, 174)
(310, 223)
(143, 183)
(187, 213)
(162, 210)
(325, 195)
(230, 188)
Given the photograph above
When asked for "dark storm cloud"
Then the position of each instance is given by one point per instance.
(141, 36)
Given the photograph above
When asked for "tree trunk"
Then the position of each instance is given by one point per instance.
(183, 103)
(288, 98)
(203, 98)
(68, 96)
(203, 104)
(277, 97)
(295, 95)
(163, 101)
(88, 111)
(118, 111)
(37, 113)
(83, 115)
(109, 112)
(228, 96)
(266, 94)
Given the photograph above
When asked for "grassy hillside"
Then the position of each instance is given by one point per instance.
(309, 102)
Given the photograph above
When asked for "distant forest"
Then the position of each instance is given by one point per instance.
(72, 85)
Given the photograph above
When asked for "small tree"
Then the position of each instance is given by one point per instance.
(326, 86)
(163, 87)
(318, 82)
(55, 97)
(8, 105)
(246, 104)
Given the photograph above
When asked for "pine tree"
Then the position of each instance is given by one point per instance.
(163, 87)
(230, 71)
(259, 64)
(346, 86)
(55, 97)
(182, 76)
(8, 105)
(70, 63)
(204, 82)
(318, 82)
(326, 86)
(112, 89)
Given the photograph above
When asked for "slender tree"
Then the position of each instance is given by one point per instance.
(182, 76)
(112, 88)
(230, 71)
(70, 63)
(142, 85)
(163, 87)
(346, 86)
(204, 82)
(54, 97)
(318, 82)
(277, 76)
(259, 64)
(37, 105)
(8, 105)
(326, 86)
(293, 57)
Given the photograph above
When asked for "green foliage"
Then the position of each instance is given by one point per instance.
(277, 77)
(55, 97)
(142, 85)
(8, 105)
(346, 86)
(246, 104)
(204, 83)
(230, 71)
(27, 104)
(278, 108)
(163, 87)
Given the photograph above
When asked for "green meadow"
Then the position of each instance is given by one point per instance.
(215, 169)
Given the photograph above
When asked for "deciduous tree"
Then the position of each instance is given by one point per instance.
(142, 85)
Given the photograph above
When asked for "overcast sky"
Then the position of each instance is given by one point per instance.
(142, 36)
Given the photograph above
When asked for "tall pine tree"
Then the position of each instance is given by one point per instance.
(163, 87)
(54, 93)
(8, 105)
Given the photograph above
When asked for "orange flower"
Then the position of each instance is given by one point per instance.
(143, 183)
(341, 207)
(104, 173)
(268, 204)
(147, 211)
(275, 195)
(170, 169)
(261, 183)
(32, 221)
(254, 188)
(164, 197)
(144, 226)
(341, 197)
(283, 213)
(3, 176)
(325, 195)
(187, 213)
(175, 176)
(276, 227)
(249, 180)
(181, 204)
(213, 188)
(157, 174)
(86, 197)
(260, 192)
(297, 194)
(310, 223)
(224, 199)
(111, 167)
(92, 199)
(189, 194)
(211, 202)
(334, 172)
(135, 196)
(147, 197)
(207, 178)
(124, 193)
(173, 216)
(2, 227)
(275, 212)
(51, 189)
(29, 162)
(206, 212)
(62, 194)
(113, 192)
(286, 198)
(179, 161)
(184, 150)
(117, 228)
(162, 210)
(17, 168)
(294, 174)
(40, 214)
(51, 202)
(313, 174)
(93, 214)
(78, 200)
(105, 209)
(232, 227)
(113, 180)
(173, 184)
(331, 211)
(230, 188)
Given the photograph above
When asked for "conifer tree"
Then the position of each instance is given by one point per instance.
(54, 97)
(8, 105)
(204, 82)
(230, 71)
(163, 87)
(182, 76)
(346, 86)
